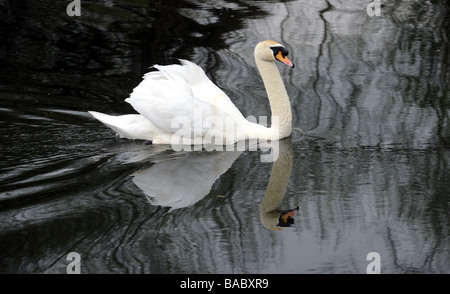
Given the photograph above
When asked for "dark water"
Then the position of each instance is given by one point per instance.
(369, 174)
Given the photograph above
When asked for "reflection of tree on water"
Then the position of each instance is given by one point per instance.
(185, 180)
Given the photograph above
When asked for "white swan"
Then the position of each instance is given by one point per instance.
(182, 95)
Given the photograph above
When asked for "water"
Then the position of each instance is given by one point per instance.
(369, 173)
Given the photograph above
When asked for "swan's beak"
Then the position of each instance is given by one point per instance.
(284, 59)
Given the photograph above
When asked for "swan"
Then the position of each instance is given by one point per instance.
(182, 95)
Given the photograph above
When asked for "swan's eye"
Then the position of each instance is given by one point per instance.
(280, 53)
(279, 50)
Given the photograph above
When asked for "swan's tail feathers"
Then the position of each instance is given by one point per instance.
(130, 126)
(110, 121)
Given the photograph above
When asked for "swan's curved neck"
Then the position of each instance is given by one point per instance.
(278, 98)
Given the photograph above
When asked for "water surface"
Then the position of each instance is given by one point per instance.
(368, 171)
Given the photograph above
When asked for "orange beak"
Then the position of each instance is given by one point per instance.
(284, 59)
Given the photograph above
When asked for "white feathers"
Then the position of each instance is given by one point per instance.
(163, 95)
(130, 126)
(178, 104)
(177, 100)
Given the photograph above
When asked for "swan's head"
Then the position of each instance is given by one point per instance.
(270, 51)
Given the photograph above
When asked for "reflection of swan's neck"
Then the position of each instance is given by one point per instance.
(279, 179)
(278, 98)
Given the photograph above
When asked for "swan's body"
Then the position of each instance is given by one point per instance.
(178, 104)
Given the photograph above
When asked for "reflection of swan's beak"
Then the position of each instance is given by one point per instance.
(287, 217)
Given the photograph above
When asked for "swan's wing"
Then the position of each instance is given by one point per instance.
(205, 90)
(180, 91)
(162, 96)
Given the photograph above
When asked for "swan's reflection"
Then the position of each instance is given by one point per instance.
(183, 181)
(271, 216)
